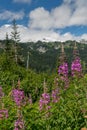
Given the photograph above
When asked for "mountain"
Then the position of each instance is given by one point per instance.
(44, 56)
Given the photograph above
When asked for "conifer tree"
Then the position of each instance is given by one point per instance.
(7, 57)
(15, 36)
(7, 47)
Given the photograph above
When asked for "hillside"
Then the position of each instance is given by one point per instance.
(44, 56)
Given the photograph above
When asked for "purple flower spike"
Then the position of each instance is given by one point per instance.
(55, 96)
(76, 68)
(63, 69)
(19, 124)
(18, 96)
(44, 101)
(3, 113)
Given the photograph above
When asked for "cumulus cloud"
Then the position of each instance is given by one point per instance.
(79, 16)
(61, 16)
(8, 15)
(43, 23)
(3, 30)
(27, 34)
(69, 13)
(43, 19)
(40, 19)
(84, 37)
(22, 1)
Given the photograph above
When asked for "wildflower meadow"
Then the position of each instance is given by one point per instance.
(45, 102)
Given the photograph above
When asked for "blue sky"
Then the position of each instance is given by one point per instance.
(26, 6)
(53, 20)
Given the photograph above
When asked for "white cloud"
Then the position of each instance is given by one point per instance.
(69, 13)
(43, 19)
(84, 36)
(61, 16)
(40, 19)
(3, 30)
(79, 15)
(27, 34)
(8, 15)
(43, 23)
(22, 1)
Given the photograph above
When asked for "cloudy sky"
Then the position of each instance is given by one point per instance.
(51, 20)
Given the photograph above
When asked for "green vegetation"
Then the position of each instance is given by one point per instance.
(43, 57)
(69, 113)
(42, 87)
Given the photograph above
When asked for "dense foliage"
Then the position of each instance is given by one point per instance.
(60, 108)
(42, 101)
(43, 57)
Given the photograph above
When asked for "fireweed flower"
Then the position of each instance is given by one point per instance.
(19, 124)
(63, 73)
(63, 69)
(18, 96)
(44, 101)
(55, 95)
(1, 92)
(76, 68)
(3, 113)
